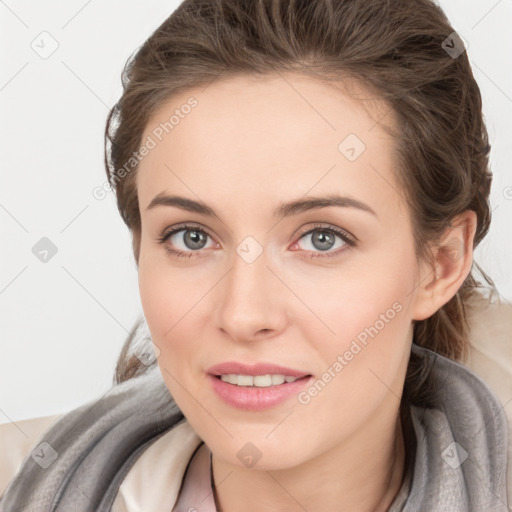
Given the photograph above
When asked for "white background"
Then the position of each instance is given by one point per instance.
(63, 322)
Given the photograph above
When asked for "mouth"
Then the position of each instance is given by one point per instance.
(258, 381)
(256, 387)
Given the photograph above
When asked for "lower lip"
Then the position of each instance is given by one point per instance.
(251, 398)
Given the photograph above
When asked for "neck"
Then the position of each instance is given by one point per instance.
(363, 474)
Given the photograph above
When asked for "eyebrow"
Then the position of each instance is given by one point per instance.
(284, 210)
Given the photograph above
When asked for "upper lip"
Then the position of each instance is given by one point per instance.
(234, 367)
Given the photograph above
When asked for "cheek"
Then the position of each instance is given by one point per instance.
(361, 292)
(166, 316)
(173, 302)
(156, 300)
(165, 291)
(366, 327)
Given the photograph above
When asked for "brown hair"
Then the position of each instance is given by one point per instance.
(392, 48)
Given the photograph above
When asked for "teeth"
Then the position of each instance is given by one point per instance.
(259, 381)
(279, 379)
(231, 378)
(245, 380)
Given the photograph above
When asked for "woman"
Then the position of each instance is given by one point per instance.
(305, 183)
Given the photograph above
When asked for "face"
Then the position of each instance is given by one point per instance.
(269, 277)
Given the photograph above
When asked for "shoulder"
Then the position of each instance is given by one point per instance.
(490, 354)
(17, 441)
(469, 419)
(170, 453)
(98, 445)
(490, 349)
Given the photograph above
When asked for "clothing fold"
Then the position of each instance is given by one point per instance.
(80, 461)
(461, 452)
(94, 447)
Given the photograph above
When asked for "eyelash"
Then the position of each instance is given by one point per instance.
(346, 237)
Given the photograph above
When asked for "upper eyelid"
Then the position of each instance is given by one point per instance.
(183, 227)
(337, 231)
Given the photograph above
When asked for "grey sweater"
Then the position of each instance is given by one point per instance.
(459, 465)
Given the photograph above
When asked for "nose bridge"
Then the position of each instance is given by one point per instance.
(250, 300)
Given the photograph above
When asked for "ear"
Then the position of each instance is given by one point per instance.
(452, 260)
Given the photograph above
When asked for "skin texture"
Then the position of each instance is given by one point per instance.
(250, 144)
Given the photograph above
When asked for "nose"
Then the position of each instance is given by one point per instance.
(251, 301)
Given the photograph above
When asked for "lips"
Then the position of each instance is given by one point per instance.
(255, 369)
(256, 398)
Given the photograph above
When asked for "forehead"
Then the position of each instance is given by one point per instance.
(283, 133)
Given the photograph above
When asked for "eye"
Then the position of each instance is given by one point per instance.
(184, 240)
(324, 239)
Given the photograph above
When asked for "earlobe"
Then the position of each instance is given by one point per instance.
(452, 261)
